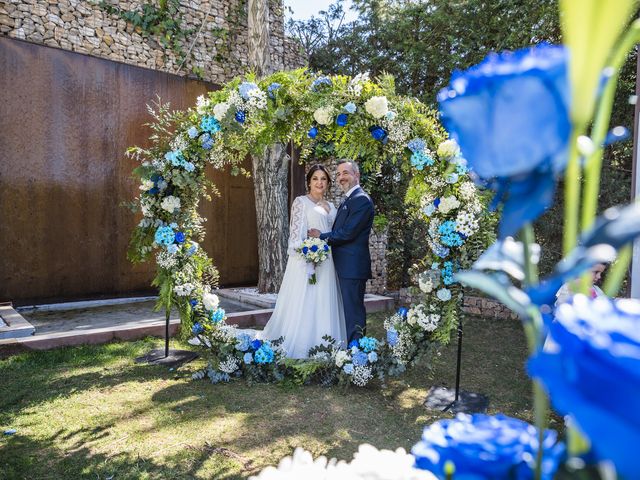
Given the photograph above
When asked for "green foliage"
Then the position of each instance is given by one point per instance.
(304, 370)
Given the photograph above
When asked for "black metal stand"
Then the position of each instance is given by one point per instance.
(166, 357)
(456, 401)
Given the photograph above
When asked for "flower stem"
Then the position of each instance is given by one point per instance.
(572, 195)
(541, 409)
(530, 269)
(618, 271)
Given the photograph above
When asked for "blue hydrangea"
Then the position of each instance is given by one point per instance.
(175, 157)
(320, 83)
(271, 89)
(207, 141)
(247, 358)
(360, 359)
(439, 250)
(429, 210)
(243, 342)
(368, 344)
(217, 315)
(392, 337)
(452, 178)
(264, 354)
(348, 368)
(416, 145)
(172, 249)
(192, 249)
(210, 124)
(419, 160)
(461, 167)
(447, 227)
(164, 236)
(452, 239)
(245, 88)
(373, 357)
(189, 167)
(350, 107)
(192, 132)
(197, 328)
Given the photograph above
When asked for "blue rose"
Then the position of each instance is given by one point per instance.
(314, 248)
(313, 132)
(305, 250)
(403, 311)
(180, 237)
(193, 302)
(326, 247)
(197, 328)
(353, 343)
(486, 447)
(342, 119)
(379, 134)
(240, 116)
(256, 344)
(594, 374)
(510, 116)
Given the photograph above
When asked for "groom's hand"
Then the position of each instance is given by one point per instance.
(313, 232)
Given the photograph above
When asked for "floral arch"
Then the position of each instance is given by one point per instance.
(364, 120)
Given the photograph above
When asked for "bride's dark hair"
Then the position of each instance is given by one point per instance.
(315, 168)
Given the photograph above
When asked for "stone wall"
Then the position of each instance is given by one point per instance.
(472, 305)
(219, 49)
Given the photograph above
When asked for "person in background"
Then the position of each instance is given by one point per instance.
(568, 289)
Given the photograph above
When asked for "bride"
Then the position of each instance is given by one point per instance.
(304, 313)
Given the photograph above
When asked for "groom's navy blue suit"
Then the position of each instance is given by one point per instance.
(349, 240)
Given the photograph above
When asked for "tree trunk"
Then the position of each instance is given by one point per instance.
(258, 26)
(270, 174)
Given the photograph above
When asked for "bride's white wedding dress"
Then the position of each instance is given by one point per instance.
(304, 313)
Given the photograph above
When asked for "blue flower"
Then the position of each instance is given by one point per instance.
(256, 344)
(429, 210)
(379, 134)
(353, 343)
(486, 447)
(175, 157)
(342, 119)
(164, 236)
(264, 354)
(197, 328)
(326, 247)
(348, 368)
(350, 107)
(461, 167)
(209, 124)
(172, 249)
(320, 83)
(189, 167)
(217, 315)
(452, 178)
(245, 88)
(272, 89)
(313, 132)
(305, 250)
(420, 160)
(192, 249)
(594, 374)
(417, 145)
(359, 359)
(392, 337)
(240, 116)
(373, 357)
(206, 141)
(193, 302)
(243, 342)
(247, 358)
(368, 344)
(192, 132)
(403, 311)
(314, 248)
(180, 237)
(510, 116)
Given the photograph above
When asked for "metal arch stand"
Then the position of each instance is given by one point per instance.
(456, 401)
(167, 357)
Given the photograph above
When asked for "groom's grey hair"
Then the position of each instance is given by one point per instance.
(354, 165)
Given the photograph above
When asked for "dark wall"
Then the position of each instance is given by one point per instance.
(65, 122)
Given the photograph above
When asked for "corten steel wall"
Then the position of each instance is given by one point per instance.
(65, 121)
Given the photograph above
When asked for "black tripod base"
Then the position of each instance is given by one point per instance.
(175, 358)
(444, 399)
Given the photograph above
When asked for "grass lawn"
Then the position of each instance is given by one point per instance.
(91, 412)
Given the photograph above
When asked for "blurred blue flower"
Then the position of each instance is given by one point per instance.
(326, 247)
(209, 124)
(272, 89)
(593, 374)
(353, 343)
(452, 178)
(314, 248)
(193, 302)
(420, 159)
(350, 107)
(172, 249)
(197, 328)
(368, 344)
(342, 119)
(240, 116)
(189, 167)
(320, 83)
(484, 447)
(429, 210)
(379, 134)
(510, 116)
(392, 336)
(206, 140)
(245, 88)
(305, 250)
(313, 132)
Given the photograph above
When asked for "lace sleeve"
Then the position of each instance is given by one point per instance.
(297, 226)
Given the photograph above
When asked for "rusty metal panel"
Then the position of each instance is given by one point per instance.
(65, 121)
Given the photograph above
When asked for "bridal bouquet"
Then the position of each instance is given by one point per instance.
(314, 251)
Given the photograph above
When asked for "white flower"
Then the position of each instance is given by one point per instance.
(229, 365)
(372, 464)
(324, 356)
(467, 190)
(323, 115)
(220, 111)
(425, 283)
(444, 294)
(170, 203)
(210, 301)
(202, 104)
(361, 375)
(183, 290)
(257, 99)
(448, 149)
(146, 185)
(377, 107)
(341, 358)
(448, 203)
(166, 260)
(418, 315)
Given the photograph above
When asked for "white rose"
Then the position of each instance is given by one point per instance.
(220, 111)
(448, 149)
(323, 115)
(448, 203)
(377, 107)
(170, 203)
(210, 301)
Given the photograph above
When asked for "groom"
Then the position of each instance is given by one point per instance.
(349, 240)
